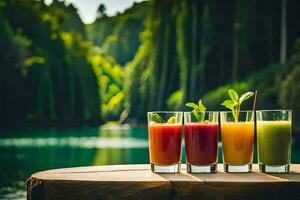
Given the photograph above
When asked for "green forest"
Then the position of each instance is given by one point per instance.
(157, 55)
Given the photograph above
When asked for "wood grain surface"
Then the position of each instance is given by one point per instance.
(138, 182)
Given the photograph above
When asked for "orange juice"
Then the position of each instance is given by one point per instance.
(165, 143)
(237, 142)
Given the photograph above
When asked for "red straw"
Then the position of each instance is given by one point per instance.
(254, 102)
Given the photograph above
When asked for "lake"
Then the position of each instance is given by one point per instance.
(28, 151)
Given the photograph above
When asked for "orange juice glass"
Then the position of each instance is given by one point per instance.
(165, 142)
(237, 141)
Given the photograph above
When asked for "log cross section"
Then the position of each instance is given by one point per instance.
(138, 182)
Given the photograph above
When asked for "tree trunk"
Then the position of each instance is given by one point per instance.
(181, 49)
(203, 48)
(193, 71)
(236, 45)
(283, 45)
(163, 77)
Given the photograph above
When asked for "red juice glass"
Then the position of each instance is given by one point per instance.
(165, 133)
(201, 142)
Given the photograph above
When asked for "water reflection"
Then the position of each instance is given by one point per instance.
(29, 151)
(130, 147)
(75, 142)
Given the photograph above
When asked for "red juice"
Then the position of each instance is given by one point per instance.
(165, 143)
(201, 143)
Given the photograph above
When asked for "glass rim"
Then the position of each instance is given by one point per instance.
(209, 111)
(277, 110)
(167, 112)
(242, 111)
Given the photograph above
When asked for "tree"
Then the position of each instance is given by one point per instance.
(101, 11)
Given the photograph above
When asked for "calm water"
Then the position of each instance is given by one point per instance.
(26, 152)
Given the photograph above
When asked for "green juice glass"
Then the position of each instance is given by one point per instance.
(274, 138)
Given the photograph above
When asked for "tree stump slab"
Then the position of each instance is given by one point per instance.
(138, 182)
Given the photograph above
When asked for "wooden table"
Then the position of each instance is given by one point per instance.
(138, 182)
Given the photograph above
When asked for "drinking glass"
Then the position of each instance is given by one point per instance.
(165, 141)
(201, 142)
(274, 135)
(237, 141)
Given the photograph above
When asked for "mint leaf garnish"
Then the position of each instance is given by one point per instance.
(228, 104)
(245, 96)
(235, 102)
(171, 120)
(233, 95)
(156, 118)
(201, 106)
(191, 105)
(198, 110)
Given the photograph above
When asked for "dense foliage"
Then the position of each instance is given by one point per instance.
(118, 36)
(157, 55)
(189, 48)
(45, 75)
(289, 87)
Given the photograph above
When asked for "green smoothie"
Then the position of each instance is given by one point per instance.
(274, 142)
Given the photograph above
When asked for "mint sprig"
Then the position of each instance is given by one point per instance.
(171, 120)
(198, 110)
(235, 102)
(158, 119)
